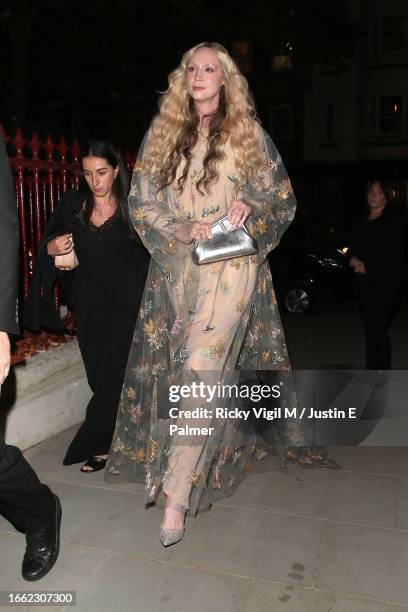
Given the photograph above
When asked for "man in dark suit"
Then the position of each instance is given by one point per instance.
(29, 505)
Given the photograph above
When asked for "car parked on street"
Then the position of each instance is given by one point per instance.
(310, 267)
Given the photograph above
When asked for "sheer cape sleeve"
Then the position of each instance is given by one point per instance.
(155, 220)
(271, 196)
(269, 192)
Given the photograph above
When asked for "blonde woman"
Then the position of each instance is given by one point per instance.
(204, 156)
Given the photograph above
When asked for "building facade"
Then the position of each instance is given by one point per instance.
(361, 114)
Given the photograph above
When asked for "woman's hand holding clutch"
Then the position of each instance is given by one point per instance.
(197, 230)
(238, 212)
(61, 245)
(62, 249)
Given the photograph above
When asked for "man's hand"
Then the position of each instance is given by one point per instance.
(5, 356)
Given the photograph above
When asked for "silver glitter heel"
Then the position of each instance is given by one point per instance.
(170, 536)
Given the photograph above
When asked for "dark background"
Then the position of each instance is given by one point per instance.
(93, 68)
(90, 66)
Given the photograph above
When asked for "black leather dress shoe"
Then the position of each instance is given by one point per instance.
(43, 547)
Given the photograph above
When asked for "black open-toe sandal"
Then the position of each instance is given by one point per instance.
(95, 463)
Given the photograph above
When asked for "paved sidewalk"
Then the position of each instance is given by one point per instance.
(298, 540)
(293, 540)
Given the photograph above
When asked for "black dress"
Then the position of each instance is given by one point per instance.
(105, 292)
(380, 244)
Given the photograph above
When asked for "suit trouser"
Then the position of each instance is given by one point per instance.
(23, 499)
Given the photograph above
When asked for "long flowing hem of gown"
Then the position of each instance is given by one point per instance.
(311, 457)
(220, 317)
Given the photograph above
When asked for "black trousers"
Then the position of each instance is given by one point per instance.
(378, 307)
(105, 344)
(23, 499)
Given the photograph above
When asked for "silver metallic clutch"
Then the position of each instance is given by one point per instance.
(226, 242)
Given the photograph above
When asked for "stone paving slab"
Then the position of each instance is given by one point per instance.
(110, 519)
(106, 582)
(364, 561)
(126, 583)
(139, 584)
(254, 544)
(389, 461)
(291, 540)
(47, 458)
(231, 540)
(326, 494)
(74, 570)
(265, 597)
(403, 505)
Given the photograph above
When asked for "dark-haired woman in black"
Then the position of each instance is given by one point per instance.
(377, 258)
(106, 289)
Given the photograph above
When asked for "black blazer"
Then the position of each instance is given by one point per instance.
(39, 310)
(9, 238)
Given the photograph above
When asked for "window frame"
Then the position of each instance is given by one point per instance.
(390, 50)
(381, 116)
(272, 110)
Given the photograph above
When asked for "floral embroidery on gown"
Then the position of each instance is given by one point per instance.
(216, 318)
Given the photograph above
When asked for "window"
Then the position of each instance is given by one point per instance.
(242, 53)
(375, 40)
(281, 62)
(385, 117)
(373, 118)
(282, 58)
(330, 118)
(390, 117)
(394, 34)
(281, 122)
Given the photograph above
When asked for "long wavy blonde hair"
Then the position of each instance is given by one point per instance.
(174, 131)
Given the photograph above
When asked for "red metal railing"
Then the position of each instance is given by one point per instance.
(42, 172)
